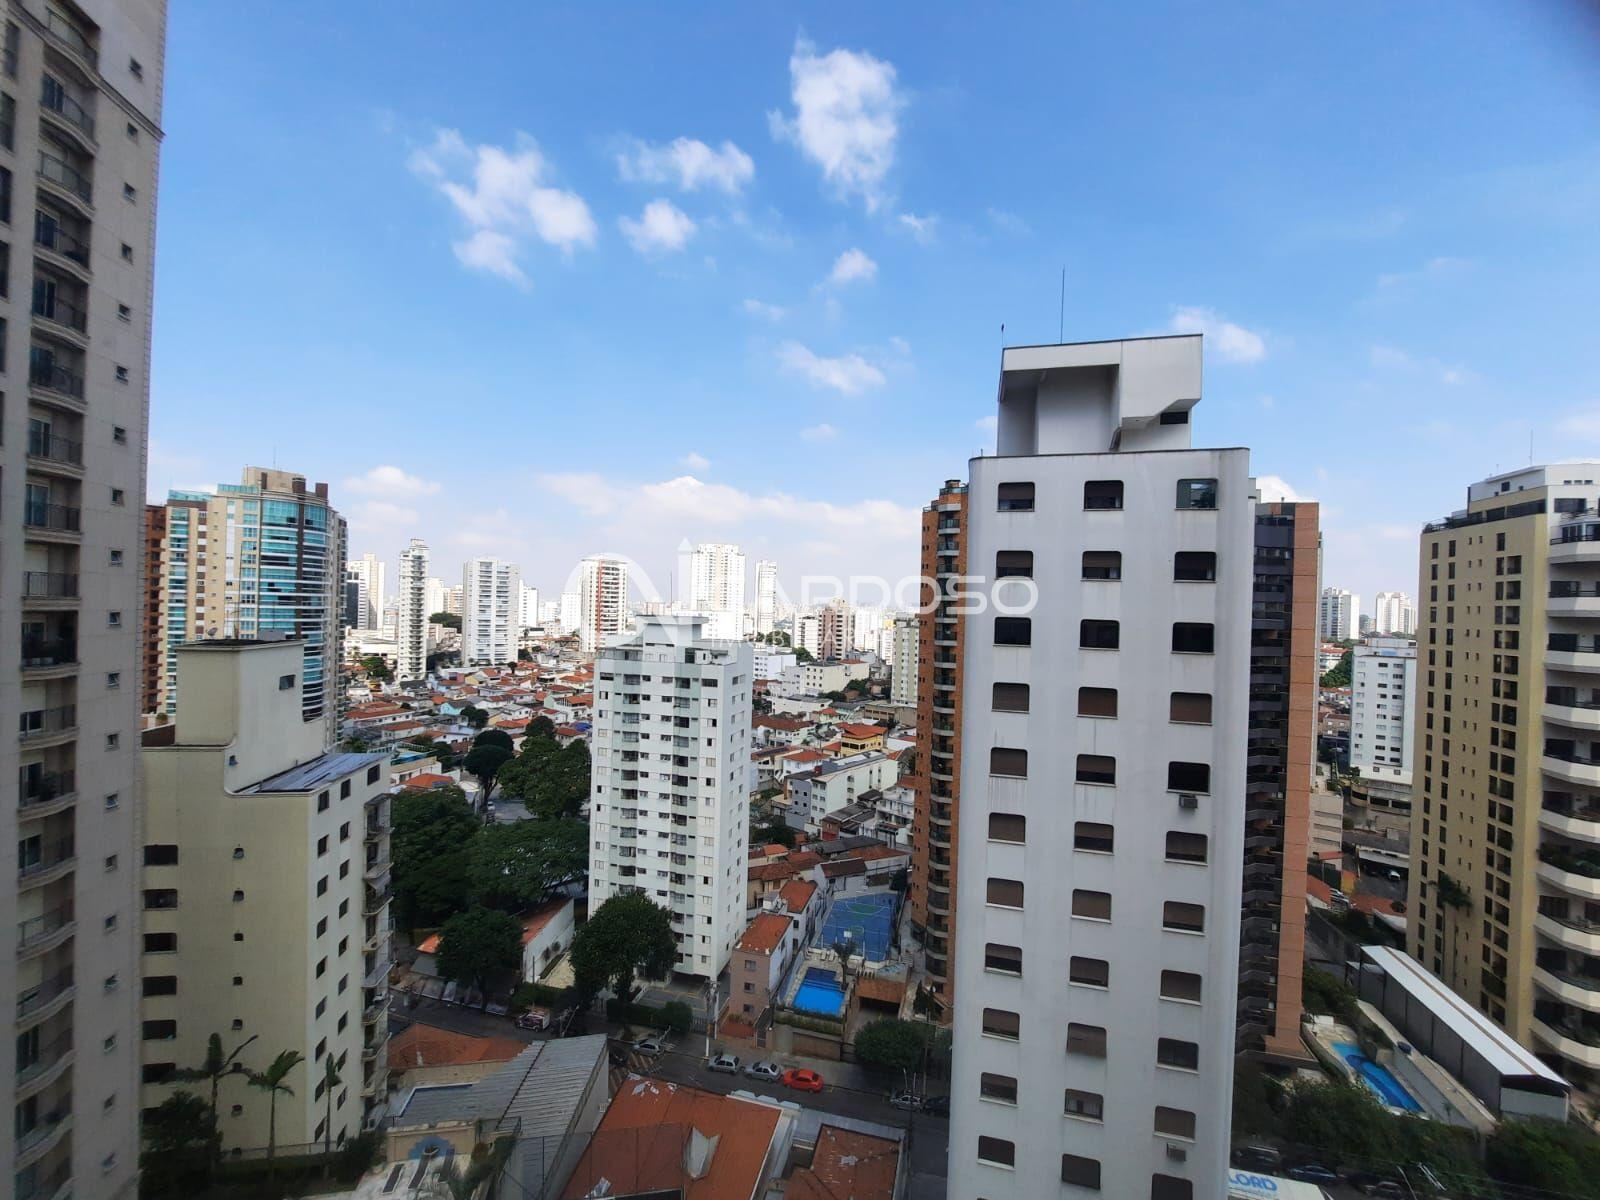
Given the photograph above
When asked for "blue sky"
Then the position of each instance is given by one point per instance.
(546, 283)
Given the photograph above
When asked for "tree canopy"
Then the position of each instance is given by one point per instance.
(485, 761)
(627, 936)
(1338, 676)
(377, 668)
(476, 945)
(430, 846)
(518, 865)
(801, 654)
(893, 1045)
(1560, 1159)
(494, 737)
(448, 620)
(474, 716)
(180, 1141)
(551, 779)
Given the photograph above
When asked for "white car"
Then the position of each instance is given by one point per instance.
(728, 1064)
(652, 1045)
(761, 1069)
(906, 1100)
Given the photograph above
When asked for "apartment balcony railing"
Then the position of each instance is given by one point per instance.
(55, 97)
(59, 310)
(45, 372)
(65, 31)
(57, 854)
(43, 722)
(55, 449)
(46, 788)
(43, 927)
(48, 652)
(41, 995)
(44, 1187)
(63, 518)
(1572, 589)
(63, 174)
(49, 235)
(48, 1059)
(52, 1127)
(1578, 531)
(49, 585)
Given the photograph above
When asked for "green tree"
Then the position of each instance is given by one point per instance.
(1545, 1155)
(859, 686)
(330, 1084)
(476, 945)
(180, 1144)
(628, 935)
(801, 654)
(1338, 676)
(377, 668)
(485, 762)
(1344, 1120)
(448, 620)
(775, 833)
(273, 1081)
(541, 727)
(893, 1045)
(430, 844)
(495, 737)
(518, 865)
(474, 716)
(551, 779)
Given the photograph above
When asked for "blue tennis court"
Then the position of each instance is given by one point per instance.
(864, 921)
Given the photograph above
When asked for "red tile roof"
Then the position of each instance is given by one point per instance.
(763, 935)
(785, 724)
(796, 894)
(534, 922)
(427, 781)
(420, 1045)
(862, 731)
(847, 1164)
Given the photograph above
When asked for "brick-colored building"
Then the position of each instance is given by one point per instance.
(152, 653)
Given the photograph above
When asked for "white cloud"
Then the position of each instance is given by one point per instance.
(849, 373)
(1232, 343)
(661, 228)
(1009, 222)
(760, 308)
(921, 228)
(846, 110)
(382, 514)
(502, 196)
(695, 462)
(1275, 488)
(852, 265)
(819, 433)
(689, 163)
(1582, 423)
(390, 483)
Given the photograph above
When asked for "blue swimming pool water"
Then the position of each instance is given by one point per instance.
(819, 993)
(1379, 1079)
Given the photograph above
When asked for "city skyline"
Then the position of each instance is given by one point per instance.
(1439, 280)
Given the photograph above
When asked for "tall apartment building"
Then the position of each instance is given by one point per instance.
(265, 877)
(1505, 842)
(1394, 613)
(936, 778)
(903, 663)
(766, 597)
(411, 630)
(1338, 615)
(806, 634)
(1105, 694)
(79, 143)
(833, 630)
(370, 574)
(528, 612)
(491, 607)
(716, 588)
(436, 593)
(1383, 685)
(152, 659)
(1279, 774)
(669, 803)
(602, 601)
(261, 558)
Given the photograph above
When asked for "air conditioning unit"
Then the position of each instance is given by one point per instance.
(1177, 1153)
(1188, 800)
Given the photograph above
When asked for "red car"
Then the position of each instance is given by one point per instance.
(802, 1080)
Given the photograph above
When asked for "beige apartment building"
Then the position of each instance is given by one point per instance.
(265, 877)
(80, 137)
(1504, 901)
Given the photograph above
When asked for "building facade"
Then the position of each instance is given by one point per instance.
(670, 792)
(491, 612)
(602, 601)
(903, 664)
(411, 629)
(265, 877)
(1339, 615)
(1394, 613)
(258, 559)
(82, 88)
(370, 574)
(716, 588)
(1383, 684)
(766, 597)
(1505, 841)
(1105, 713)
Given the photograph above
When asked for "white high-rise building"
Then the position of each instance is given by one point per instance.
(1394, 612)
(669, 803)
(1338, 615)
(491, 599)
(602, 601)
(1383, 688)
(411, 626)
(806, 634)
(570, 611)
(766, 596)
(438, 595)
(529, 612)
(371, 578)
(1097, 942)
(716, 588)
(903, 664)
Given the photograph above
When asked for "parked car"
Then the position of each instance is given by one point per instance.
(727, 1064)
(937, 1106)
(1387, 1189)
(1265, 1159)
(534, 1018)
(1313, 1173)
(906, 1100)
(652, 1045)
(802, 1079)
(762, 1069)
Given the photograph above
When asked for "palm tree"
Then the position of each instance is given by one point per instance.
(213, 1070)
(271, 1081)
(330, 1081)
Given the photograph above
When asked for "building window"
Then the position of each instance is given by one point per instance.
(1088, 1040)
(129, 193)
(1097, 769)
(114, 557)
(1102, 564)
(160, 855)
(997, 1022)
(1097, 702)
(1186, 847)
(1193, 637)
(1197, 493)
(1002, 1089)
(119, 435)
(114, 619)
(124, 313)
(1013, 631)
(160, 943)
(1180, 985)
(1099, 635)
(1174, 1122)
(1190, 708)
(286, 683)
(1090, 905)
(1010, 697)
(1102, 494)
(161, 985)
(1008, 827)
(1086, 1106)
(1081, 1172)
(1005, 959)
(997, 1152)
(159, 1031)
(1173, 1052)
(135, 68)
(158, 898)
(1009, 762)
(1092, 836)
(113, 679)
(1194, 566)
(1004, 893)
(1089, 972)
(5, 195)
(1170, 1187)
(1188, 777)
(1013, 564)
(1183, 917)
(372, 774)
(1015, 497)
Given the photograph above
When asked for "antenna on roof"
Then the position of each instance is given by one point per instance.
(1061, 328)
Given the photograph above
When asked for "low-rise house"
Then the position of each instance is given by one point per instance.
(832, 785)
(425, 1054)
(546, 932)
(848, 1163)
(860, 739)
(764, 880)
(759, 961)
(769, 730)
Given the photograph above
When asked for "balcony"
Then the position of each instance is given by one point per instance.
(55, 99)
(51, 233)
(54, 860)
(55, 518)
(1570, 987)
(64, 31)
(1575, 816)
(1574, 766)
(41, 724)
(1574, 933)
(1569, 598)
(47, 373)
(45, 932)
(376, 1009)
(53, 1059)
(1575, 873)
(377, 899)
(377, 872)
(1577, 542)
(377, 973)
(42, 794)
(45, 1136)
(1570, 1041)
(65, 317)
(49, 654)
(44, 1000)
(66, 177)
(49, 451)
(56, 1185)
(1568, 706)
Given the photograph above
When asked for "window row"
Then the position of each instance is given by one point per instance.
(1107, 494)
(1090, 905)
(1089, 1106)
(1188, 566)
(1012, 763)
(1184, 708)
(1084, 1172)
(1089, 1041)
(1091, 972)
(1188, 637)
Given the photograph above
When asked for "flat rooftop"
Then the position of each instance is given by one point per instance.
(319, 772)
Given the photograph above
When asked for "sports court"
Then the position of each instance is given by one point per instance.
(865, 921)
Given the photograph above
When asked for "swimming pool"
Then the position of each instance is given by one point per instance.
(1380, 1079)
(819, 992)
